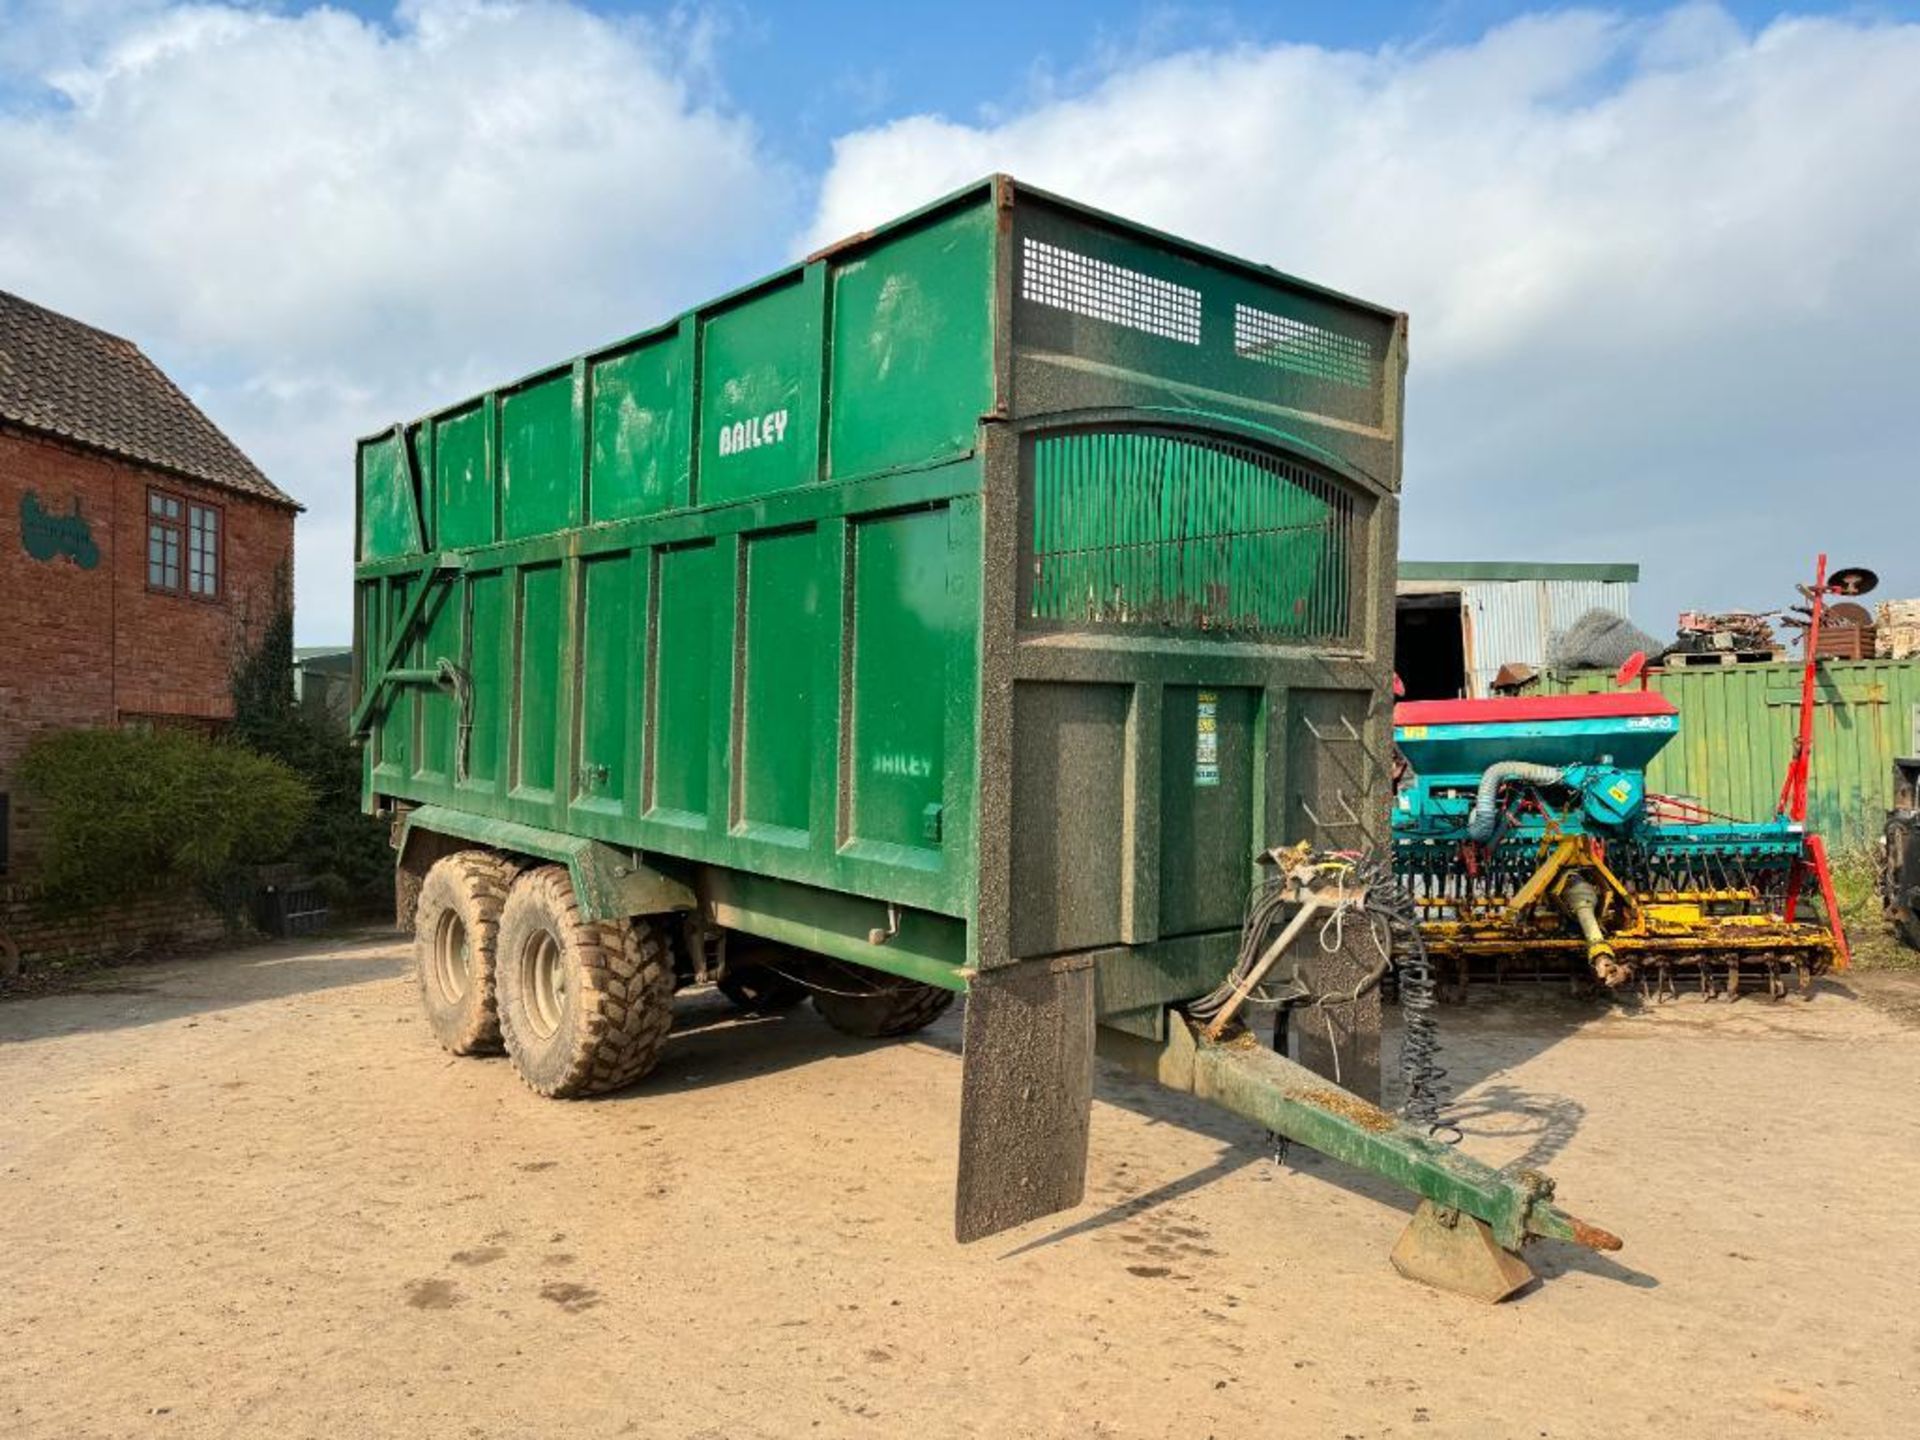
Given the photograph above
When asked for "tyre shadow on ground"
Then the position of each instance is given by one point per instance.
(155, 992)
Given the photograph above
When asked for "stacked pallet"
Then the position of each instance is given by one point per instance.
(1694, 659)
(1897, 629)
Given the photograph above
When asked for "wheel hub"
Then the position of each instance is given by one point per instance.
(543, 979)
(452, 957)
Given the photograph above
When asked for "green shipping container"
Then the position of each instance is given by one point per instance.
(1737, 729)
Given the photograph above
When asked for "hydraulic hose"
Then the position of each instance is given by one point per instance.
(1486, 801)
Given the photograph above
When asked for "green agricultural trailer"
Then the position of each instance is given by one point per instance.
(962, 611)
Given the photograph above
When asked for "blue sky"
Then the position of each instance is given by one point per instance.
(808, 77)
(1654, 252)
(810, 72)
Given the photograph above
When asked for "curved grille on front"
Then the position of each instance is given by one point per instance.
(1148, 530)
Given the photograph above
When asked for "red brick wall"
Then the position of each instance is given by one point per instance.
(94, 647)
(32, 936)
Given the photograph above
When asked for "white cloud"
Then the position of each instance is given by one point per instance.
(321, 225)
(1661, 274)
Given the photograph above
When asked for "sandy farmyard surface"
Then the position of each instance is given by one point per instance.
(246, 1196)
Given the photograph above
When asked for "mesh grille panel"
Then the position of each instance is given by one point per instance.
(1144, 530)
(1068, 280)
(1302, 348)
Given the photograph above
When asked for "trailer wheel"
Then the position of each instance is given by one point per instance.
(759, 977)
(1906, 922)
(456, 923)
(885, 1007)
(584, 1006)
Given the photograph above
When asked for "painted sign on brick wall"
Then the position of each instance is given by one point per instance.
(47, 536)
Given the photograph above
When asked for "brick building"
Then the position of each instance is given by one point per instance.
(139, 549)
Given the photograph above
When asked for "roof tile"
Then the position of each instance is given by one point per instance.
(65, 378)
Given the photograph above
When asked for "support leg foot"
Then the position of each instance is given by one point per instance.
(1452, 1251)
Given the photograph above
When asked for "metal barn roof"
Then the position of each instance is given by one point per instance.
(1494, 570)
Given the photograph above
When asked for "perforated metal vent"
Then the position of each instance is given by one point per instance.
(1068, 280)
(1140, 529)
(1302, 348)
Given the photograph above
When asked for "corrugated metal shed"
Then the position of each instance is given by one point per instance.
(1737, 725)
(1510, 608)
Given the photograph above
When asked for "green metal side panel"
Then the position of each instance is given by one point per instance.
(395, 754)
(639, 414)
(931, 948)
(760, 393)
(776, 718)
(386, 506)
(463, 478)
(691, 600)
(489, 662)
(907, 628)
(1207, 805)
(537, 696)
(372, 626)
(432, 707)
(1069, 861)
(607, 670)
(1737, 726)
(539, 458)
(913, 346)
(420, 442)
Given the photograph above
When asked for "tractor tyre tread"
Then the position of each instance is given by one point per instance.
(886, 1013)
(473, 884)
(621, 1002)
(761, 977)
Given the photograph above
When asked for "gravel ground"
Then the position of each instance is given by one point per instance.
(245, 1195)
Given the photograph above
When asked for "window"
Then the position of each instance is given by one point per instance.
(203, 551)
(183, 546)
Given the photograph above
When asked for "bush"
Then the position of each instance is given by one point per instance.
(128, 811)
(1856, 885)
(336, 844)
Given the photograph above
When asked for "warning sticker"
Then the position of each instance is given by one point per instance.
(1206, 739)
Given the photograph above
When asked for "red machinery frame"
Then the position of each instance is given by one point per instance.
(1793, 790)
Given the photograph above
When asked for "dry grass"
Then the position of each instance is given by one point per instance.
(1856, 883)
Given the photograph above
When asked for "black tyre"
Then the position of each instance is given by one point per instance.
(456, 925)
(875, 1006)
(759, 977)
(584, 1006)
(1906, 924)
